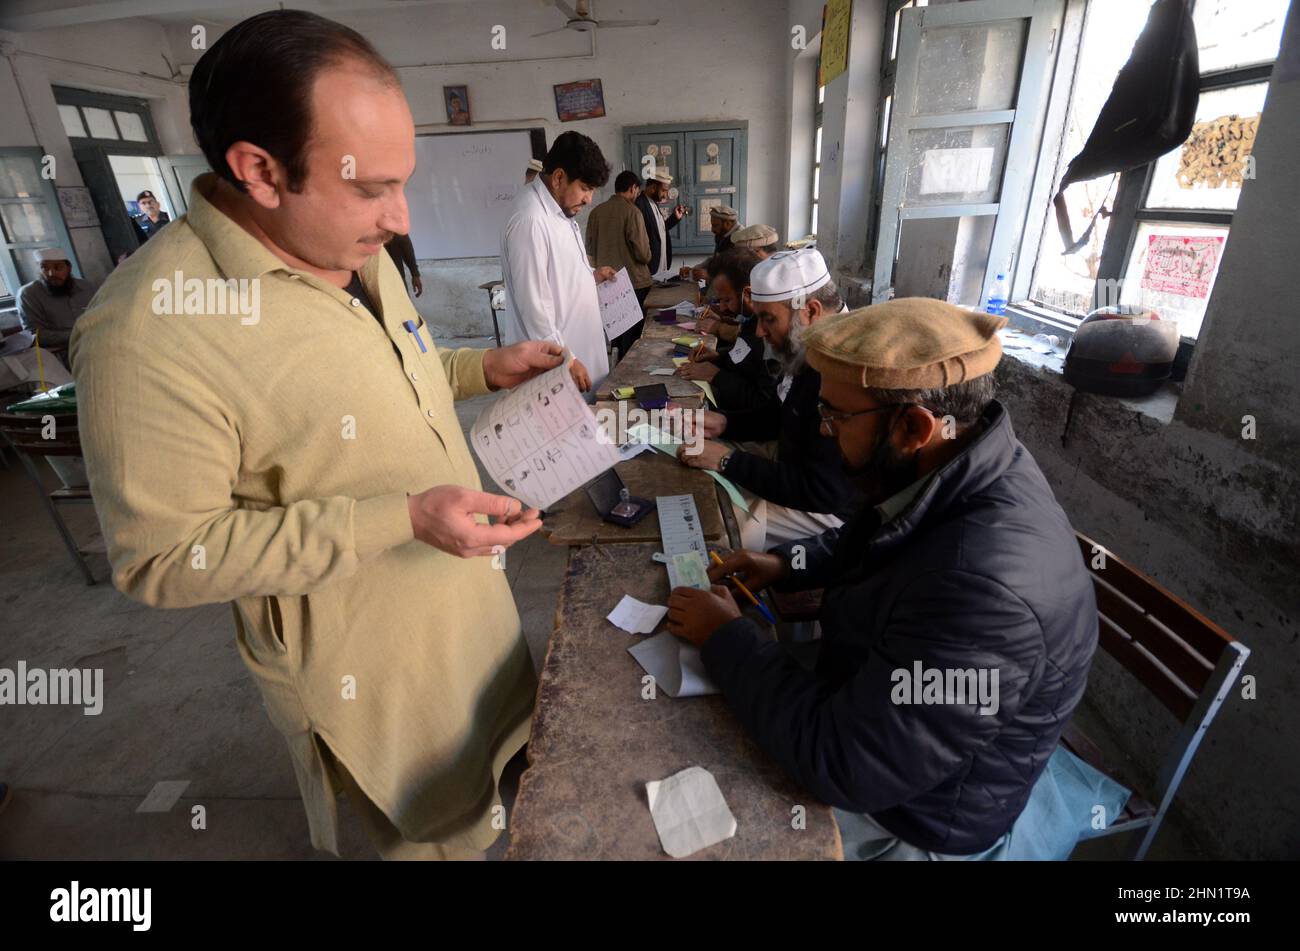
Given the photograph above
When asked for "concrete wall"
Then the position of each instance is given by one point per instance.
(1212, 516)
(705, 63)
(124, 57)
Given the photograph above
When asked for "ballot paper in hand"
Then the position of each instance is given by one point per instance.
(540, 441)
(689, 812)
(675, 665)
(619, 309)
(636, 617)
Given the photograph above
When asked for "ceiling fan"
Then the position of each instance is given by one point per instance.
(581, 20)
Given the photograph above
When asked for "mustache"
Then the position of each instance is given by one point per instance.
(382, 237)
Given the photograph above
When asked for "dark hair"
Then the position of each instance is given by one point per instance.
(254, 85)
(146, 192)
(734, 264)
(625, 181)
(965, 402)
(580, 158)
(829, 296)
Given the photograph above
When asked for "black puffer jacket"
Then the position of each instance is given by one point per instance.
(981, 571)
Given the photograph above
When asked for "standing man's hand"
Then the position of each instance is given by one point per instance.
(580, 375)
(509, 366)
(446, 517)
(604, 273)
(680, 212)
(417, 285)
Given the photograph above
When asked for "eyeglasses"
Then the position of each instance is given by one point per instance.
(830, 417)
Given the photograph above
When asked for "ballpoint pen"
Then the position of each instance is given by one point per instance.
(744, 590)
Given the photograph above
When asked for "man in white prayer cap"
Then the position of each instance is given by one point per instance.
(804, 490)
(534, 169)
(50, 305)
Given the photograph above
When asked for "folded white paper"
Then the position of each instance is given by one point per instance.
(636, 617)
(675, 665)
(689, 812)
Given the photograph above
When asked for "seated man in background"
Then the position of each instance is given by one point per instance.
(401, 249)
(804, 490)
(961, 562)
(50, 305)
(737, 370)
(723, 222)
(762, 239)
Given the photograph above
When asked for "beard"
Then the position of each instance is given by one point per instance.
(59, 290)
(791, 354)
(885, 472)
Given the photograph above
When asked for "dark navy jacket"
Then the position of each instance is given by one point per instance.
(980, 571)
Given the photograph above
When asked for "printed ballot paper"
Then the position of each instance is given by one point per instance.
(619, 309)
(689, 812)
(540, 441)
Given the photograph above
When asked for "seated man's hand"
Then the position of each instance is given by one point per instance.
(506, 367)
(707, 324)
(698, 371)
(708, 455)
(695, 614)
(580, 375)
(757, 569)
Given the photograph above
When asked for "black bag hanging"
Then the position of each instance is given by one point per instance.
(1150, 111)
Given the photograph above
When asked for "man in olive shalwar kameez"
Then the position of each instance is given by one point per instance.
(301, 456)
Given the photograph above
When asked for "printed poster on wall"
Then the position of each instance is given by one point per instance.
(1181, 264)
(584, 99)
(834, 57)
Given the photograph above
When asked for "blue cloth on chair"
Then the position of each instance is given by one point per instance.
(1058, 814)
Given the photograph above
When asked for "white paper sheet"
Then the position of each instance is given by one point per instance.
(619, 310)
(540, 441)
(636, 617)
(689, 812)
(739, 350)
(676, 665)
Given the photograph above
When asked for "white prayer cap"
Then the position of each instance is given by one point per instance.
(535, 164)
(661, 174)
(725, 212)
(788, 274)
(52, 254)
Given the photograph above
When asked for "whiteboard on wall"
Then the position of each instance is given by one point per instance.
(462, 190)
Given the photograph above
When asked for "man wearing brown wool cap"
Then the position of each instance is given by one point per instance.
(959, 560)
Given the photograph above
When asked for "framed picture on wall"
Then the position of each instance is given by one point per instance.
(581, 100)
(457, 100)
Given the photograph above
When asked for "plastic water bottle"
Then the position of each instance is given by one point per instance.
(998, 296)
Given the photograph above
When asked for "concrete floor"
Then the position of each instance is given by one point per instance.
(180, 706)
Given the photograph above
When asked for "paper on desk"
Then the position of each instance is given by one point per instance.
(667, 444)
(689, 812)
(662, 371)
(678, 361)
(686, 324)
(707, 387)
(619, 308)
(636, 617)
(540, 441)
(675, 665)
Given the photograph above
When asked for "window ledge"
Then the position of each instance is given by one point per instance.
(1158, 406)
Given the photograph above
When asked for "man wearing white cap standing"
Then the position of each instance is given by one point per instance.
(804, 490)
(657, 226)
(49, 306)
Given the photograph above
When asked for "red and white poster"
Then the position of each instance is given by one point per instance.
(1181, 264)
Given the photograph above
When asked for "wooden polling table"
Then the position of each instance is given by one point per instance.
(573, 519)
(596, 743)
(633, 369)
(661, 298)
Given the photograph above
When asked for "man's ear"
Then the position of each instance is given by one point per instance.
(261, 174)
(914, 429)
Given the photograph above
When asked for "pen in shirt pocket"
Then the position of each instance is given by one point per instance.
(412, 329)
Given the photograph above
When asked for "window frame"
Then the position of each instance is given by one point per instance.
(81, 99)
(50, 197)
(814, 183)
(1129, 210)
